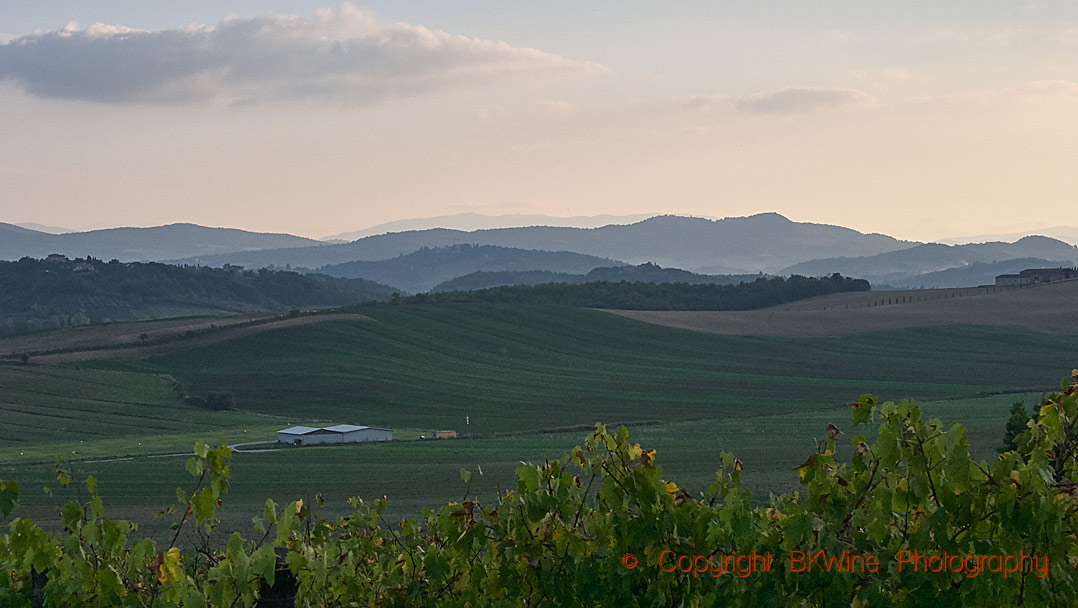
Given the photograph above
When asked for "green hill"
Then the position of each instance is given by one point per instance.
(646, 273)
(530, 378)
(44, 294)
(644, 295)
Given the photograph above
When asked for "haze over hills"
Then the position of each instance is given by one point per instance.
(477, 221)
(141, 244)
(975, 274)
(421, 270)
(1067, 234)
(765, 242)
(44, 228)
(900, 268)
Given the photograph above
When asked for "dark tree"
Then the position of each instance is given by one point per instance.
(1016, 424)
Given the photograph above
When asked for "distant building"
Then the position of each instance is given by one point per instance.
(1037, 276)
(83, 267)
(445, 434)
(341, 433)
(56, 258)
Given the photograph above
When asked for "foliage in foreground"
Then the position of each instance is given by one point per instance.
(565, 535)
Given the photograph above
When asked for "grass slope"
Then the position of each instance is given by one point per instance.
(512, 369)
(519, 368)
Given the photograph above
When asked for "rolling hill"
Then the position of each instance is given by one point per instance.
(141, 244)
(43, 294)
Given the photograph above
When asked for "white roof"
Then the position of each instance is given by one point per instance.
(339, 428)
(345, 428)
(298, 430)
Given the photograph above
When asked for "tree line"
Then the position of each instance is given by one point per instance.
(639, 295)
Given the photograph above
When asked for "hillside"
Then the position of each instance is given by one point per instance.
(540, 375)
(646, 273)
(42, 294)
(641, 295)
(760, 243)
(141, 244)
(902, 267)
(423, 269)
(977, 273)
(1045, 308)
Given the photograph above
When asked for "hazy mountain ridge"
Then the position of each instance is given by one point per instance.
(1067, 234)
(765, 242)
(975, 274)
(902, 267)
(156, 243)
(421, 270)
(477, 221)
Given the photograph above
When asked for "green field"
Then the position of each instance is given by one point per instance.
(519, 368)
(531, 379)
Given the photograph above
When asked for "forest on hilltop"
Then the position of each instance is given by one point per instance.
(58, 292)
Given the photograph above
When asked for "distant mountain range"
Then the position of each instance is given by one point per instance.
(476, 221)
(763, 243)
(44, 228)
(905, 267)
(421, 270)
(766, 242)
(1067, 234)
(141, 244)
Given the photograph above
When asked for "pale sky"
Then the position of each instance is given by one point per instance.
(919, 119)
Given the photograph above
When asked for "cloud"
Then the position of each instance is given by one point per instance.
(344, 53)
(793, 101)
(785, 101)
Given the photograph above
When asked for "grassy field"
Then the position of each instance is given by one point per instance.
(516, 368)
(425, 474)
(530, 379)
(1045, 308)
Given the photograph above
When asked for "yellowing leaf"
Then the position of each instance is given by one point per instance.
(170, 565)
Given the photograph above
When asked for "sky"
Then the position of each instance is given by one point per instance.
(918, 119)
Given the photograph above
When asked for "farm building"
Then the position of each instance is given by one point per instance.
(341, 433)
(445, 435)
(1036, 276)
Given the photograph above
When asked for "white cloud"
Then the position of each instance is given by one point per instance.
(344, 53)
(785, 101)
(792, 101)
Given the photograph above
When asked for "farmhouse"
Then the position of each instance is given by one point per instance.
(445, 435)
(341, 433)
(1037, 276)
